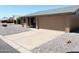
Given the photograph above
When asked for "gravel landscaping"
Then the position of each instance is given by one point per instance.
(12, 29)
(68, 42)
(8, 30)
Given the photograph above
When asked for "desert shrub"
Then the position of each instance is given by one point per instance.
(18, 20)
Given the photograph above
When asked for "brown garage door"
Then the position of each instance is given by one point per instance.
(52, 22)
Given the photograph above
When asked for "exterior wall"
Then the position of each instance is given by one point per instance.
(54, 22)
(37, 23)
(57, 22)
(74, 22)
(24, 22)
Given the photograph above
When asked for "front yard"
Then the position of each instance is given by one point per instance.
(60, 44)
(12, 29)
(24, 39)
(9, 30)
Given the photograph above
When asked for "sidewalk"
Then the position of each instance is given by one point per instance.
(14, 45)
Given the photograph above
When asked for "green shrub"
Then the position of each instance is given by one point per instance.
(18, 20)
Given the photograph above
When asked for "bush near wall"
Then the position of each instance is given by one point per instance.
(18, 20)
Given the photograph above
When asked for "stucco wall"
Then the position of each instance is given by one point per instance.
(74, 22)
(54, 22)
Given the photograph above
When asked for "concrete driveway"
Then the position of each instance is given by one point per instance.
(26, 41)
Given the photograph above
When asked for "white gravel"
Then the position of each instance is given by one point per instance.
(12, 29)
(60, 45)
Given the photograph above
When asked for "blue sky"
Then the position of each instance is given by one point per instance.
(9, 10)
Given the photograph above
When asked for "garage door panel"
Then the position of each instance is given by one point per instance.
(55, 23)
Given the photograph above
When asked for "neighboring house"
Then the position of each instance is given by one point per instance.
(12, 19)
(4, 19)
(63, 19)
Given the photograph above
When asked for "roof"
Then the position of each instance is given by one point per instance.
(4, 18)
(67, 9)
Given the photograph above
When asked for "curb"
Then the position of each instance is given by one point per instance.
(14, 45)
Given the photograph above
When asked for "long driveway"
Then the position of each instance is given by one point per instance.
(32, 39)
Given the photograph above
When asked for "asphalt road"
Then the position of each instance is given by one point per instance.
(5, 48)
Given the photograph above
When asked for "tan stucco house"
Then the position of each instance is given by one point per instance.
(63, 19)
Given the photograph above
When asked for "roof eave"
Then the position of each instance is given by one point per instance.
(49, 14)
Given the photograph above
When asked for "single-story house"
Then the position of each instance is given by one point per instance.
(63, 19)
